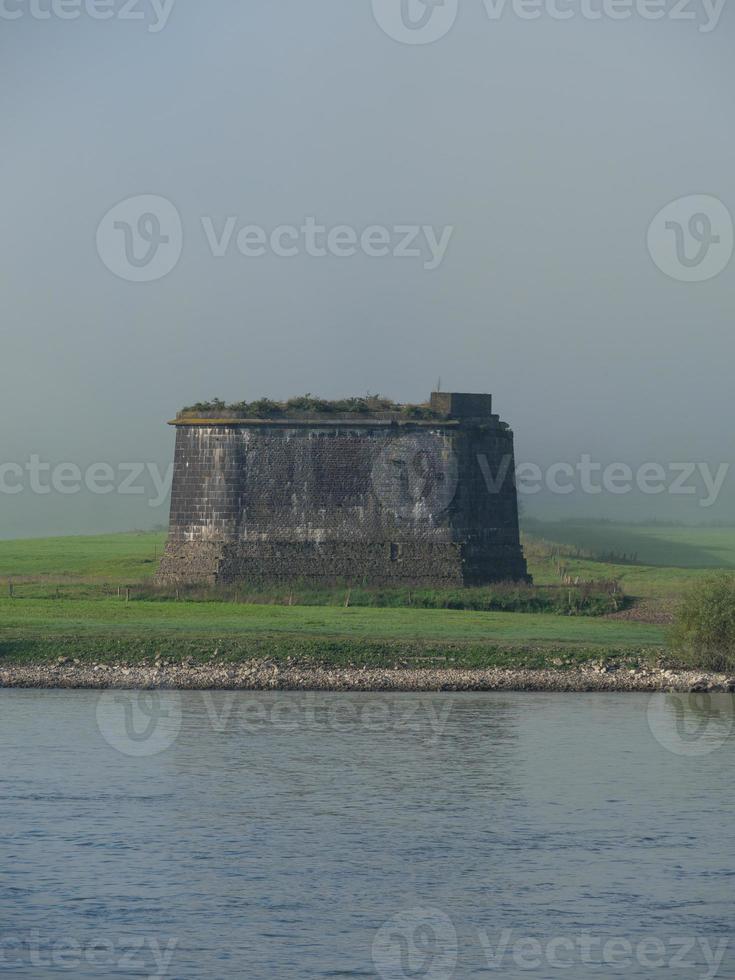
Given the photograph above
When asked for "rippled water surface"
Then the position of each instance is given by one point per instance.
(395, 836)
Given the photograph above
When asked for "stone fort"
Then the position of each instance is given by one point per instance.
(382, 494)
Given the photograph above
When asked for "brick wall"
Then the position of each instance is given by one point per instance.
(361, 501)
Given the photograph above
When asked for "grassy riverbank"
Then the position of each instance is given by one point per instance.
(90, 598)
(113, 628)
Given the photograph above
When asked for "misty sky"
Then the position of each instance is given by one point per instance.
(547, 145)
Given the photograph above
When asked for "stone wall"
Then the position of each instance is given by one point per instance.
(364, 501)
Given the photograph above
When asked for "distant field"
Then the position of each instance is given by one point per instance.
(113, 558)
(653, 544)
(660, 562)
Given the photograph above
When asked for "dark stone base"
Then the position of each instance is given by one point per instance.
(374, 564)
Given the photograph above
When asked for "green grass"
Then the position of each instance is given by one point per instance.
(114, 629)
(220, 618)
(650, 544)
(669, 559)
(640, 581)
(97, 566)
(106, 558)
(88, 620)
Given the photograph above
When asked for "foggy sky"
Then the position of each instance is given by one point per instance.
(548, 145)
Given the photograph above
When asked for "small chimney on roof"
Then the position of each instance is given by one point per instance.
(460, 404)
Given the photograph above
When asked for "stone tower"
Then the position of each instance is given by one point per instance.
(415, 495)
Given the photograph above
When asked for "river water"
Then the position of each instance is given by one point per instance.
(393, 836)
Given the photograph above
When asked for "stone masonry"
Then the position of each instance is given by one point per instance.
(378, 499)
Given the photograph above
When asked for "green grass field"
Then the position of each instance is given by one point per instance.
(649, 544)
(42, 629)
(667, 559)
(226, 619)
(106, 558)
(87, 615)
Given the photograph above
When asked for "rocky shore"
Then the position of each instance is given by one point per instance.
(269, 675)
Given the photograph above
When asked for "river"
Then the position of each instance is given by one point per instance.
(236, 834)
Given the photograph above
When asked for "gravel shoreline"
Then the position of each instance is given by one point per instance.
(269, 676)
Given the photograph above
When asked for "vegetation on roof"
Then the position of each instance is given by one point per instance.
(265, 408)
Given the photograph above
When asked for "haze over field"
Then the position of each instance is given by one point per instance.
(530, 155)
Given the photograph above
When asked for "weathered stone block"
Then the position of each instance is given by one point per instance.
(364, 500)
